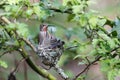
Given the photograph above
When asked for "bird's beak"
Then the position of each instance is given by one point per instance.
(45, 27)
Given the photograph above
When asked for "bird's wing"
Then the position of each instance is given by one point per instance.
(44, 39)
(41, 37)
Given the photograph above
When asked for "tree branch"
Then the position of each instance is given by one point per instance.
(24, 54)
(5, 20)
(6, 52)
(16, 68)
(61, 72)
(37, 69)
(29, 44)
(69, 11)
(97, 59)
(71, 47)
(115, 49)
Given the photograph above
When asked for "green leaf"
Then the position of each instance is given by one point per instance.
(65, 2)
(116, 27)
(114, 33)
(11, 26)
(108, 66)
(104, 65)
(93, 52)
(40, 12)
(11, 2)
(109, 40)
(91, 2)
(3, 64)
(14, 8)
(83, 20)
(7, 7)
(81, 63)
(112, 74)
(116, 40)
(93, 22)
(36, 10)
(101, 22)
(70, 17)
(77, 8)
(29, 12)
(95, 42)
(69, 73)
(22, 29)
(78, 56)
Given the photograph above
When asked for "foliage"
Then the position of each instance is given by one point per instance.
(102, 43)
(3, 64)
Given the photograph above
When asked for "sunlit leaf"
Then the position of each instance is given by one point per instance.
(11, 2)
(101, 22)
(91, 2)
(77, 8)
(3, 64)
(29, 12)
(93, 22)
(95, 42)
(83, 20)
(108, 39)
(81, 63)
(22, 29)
(11, 26)
(78, 56)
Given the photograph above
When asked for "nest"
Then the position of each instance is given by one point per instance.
(49, 57)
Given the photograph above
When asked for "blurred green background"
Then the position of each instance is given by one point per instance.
(67, 31)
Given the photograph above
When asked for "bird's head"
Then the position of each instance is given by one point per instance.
(43, 27)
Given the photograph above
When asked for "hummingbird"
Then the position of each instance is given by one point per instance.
(49, 46)
(48, 40)
(43, 35)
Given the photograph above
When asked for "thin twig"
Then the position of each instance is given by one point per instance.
(87, 60)
(6, 52)
(97, 59)
(13, 72)
(86, 68)
(29, 44)
(61, 72)
(115, 48)
(26, 41)
(70, 47)
(69, 11)
(16, 68)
